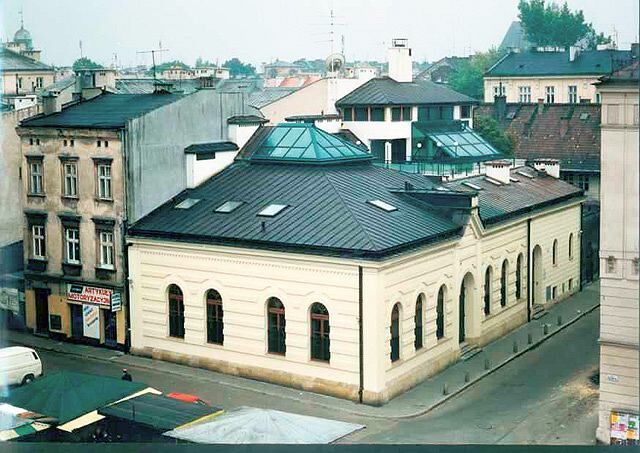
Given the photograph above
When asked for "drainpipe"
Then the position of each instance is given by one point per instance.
(360, 342)
(580, 246)
(529, 270)
(125, 247)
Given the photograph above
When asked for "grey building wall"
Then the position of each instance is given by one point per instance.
(155, 143)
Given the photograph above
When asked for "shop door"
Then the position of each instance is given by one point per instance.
(77, 330)
(42, 311)
(110, 328)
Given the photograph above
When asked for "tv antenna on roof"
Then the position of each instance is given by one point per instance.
(153, 53)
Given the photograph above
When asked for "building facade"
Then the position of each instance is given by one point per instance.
(619, 315)
(327, 273)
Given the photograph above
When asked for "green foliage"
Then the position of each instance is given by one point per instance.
(489, 129)
(468, 78)
(550, 25)
(200, 63)
(85, 63)
(164, 66)
(238, 68)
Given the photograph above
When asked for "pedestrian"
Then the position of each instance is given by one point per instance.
(126, 376)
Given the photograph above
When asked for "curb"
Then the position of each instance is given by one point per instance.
(354, 412)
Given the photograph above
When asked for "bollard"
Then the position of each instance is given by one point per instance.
(467, 377)
(515, 346)
(445, 389)
(546, 329)
(487, 364)
(530, 338)
(559, 320)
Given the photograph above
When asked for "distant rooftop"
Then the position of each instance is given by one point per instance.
(13, 61)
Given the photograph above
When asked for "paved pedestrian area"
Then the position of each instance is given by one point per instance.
(417, 401)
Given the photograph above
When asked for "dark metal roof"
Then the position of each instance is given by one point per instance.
(626, 74)
(386, 91)
(158, 411)
(515, 38)
(107, 111)
(268, 95)
(247, 119)
(498, 203)
(588, 62)
(210, 148)
(13, 61)
(148, 85)
(312, 118)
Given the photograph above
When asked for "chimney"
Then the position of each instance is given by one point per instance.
(498, 170)
(500, 107)
(574, 51)
(240, 128)
(635, 50)
(50, 104)
(540, 103)
(548, 166)
(399, 58)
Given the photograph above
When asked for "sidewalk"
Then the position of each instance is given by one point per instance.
(415, 402)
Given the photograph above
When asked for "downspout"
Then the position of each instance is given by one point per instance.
(360, 342)
(529, 270)
(125, 247)
(580, 246)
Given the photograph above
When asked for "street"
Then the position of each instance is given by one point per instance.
(543, 397)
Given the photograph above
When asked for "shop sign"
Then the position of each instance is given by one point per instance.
(91, 321)
(89, 295)
(9, 299)
(624, 428)
(116, 302)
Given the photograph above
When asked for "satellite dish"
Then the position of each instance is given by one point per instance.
(334, 62)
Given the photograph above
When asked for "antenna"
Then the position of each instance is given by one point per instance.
(80, 43)
(21, 17)
(153, 58)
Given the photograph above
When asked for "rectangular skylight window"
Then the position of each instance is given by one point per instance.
(472, 185)
(187, 203)
(526, 175)
(584, 116)
(383, 205)
(272, 210)
(228, 206)
(512, 179)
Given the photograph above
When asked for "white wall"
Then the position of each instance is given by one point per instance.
(584, 84)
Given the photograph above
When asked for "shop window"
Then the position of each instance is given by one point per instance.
(440, 312)
(320, 343)
(417, 318)
(395, 333)
(176, 312)
(277, 333)
(215, 318)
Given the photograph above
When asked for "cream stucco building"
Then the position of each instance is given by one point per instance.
(619, 316)
(305, 265)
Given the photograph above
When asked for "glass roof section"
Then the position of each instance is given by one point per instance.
(228, 206)
(187, 203)
(383, 205)
(272, 210)
(305, 143)
(458, 142)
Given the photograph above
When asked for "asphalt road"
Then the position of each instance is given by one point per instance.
(543, 397)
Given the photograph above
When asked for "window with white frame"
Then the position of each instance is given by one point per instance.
(38, 244)
(35, 177)
(573, 94)
(550, 96)
(106, 249)
(39, 82)
(499, 90)
(72, 245)
(525, 94)
(104, 181)
(70, 170)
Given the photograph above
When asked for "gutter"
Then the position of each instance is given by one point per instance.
(360, 335)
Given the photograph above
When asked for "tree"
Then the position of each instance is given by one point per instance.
(550, 25)
(169, 64)
(200, 63)
(85, 63)
(238, 68)
(468, 77)
(489, 129)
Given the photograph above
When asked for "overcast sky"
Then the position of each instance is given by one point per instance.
(261, 30)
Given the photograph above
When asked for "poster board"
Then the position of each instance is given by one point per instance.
(91, 321)
(624, 428)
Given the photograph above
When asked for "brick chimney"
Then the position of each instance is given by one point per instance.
(548, 166)
(498, 170)
(50, 103)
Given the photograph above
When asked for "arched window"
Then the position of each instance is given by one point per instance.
(519, 277)
(504, 275)
(395, 333)
(571, 246)
(320, 332)
(215, 323)
(277, 327)
(554, 252)
(176, 312)
(487, 291)
(418, 323)
(440, 313)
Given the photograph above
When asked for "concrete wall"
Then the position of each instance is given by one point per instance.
(585, 87)
(156, 142)
(29, 81)
(619, 315)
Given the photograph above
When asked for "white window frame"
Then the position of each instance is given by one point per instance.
(105, 238)
(105, 189)
(35, 177)
(72, 245)
(524, 94)
(550, 94)
(38, 242)
(70, 177)
(573, 94)
(39, 82)
(499, 90)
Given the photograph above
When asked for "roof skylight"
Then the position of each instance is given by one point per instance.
(526, 175)
(493, 181)
(512, 179)
(584, 116)
(272, 210)
(472, 185)
(187, 203)
(383, 205)
(228, 206)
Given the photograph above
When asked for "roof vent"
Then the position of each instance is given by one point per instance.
(187, 203)
(512, 179)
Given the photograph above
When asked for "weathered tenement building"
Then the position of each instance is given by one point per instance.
(88, 171)
(304, 264)
(619, 315)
